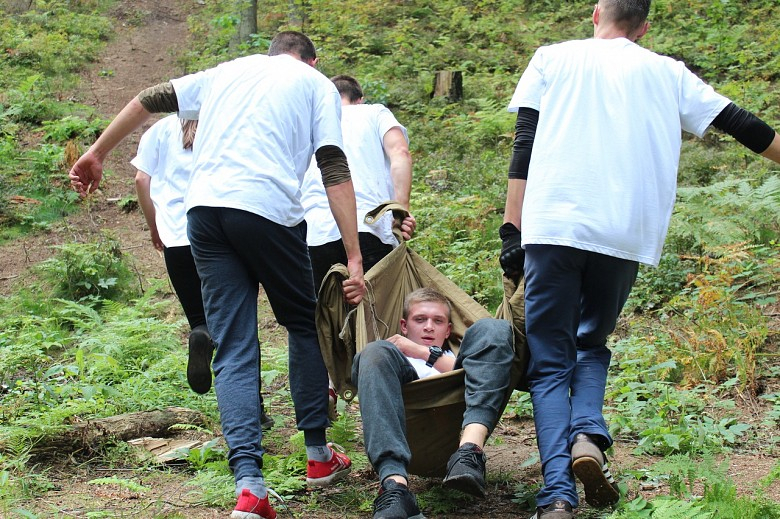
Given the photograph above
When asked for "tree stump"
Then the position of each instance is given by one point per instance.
(449, 84)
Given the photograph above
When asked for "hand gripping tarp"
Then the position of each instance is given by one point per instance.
(434, 405)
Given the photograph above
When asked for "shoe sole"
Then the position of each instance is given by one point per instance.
(199, 362)
(466, 485)
(599, 493)
(247, 515)
(328, 480)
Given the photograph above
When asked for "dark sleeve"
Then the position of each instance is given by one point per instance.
(159, 98)
(333, 165)
(745, 127)
(525, 133)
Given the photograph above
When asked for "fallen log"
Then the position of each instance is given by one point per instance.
(90, 435)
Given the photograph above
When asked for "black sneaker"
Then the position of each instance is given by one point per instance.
(466, 471)
(590, 466)
(266, 422)
(396, 502)
(559, 509)
(199, 360)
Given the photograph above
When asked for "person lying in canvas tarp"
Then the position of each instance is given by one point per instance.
(384, 366)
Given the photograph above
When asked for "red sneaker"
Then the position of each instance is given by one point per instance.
(250, 506)
(323, 473)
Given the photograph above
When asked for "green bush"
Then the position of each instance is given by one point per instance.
(96, 270)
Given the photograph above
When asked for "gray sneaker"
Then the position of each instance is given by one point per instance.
(396, 502)
(466, 471)
(590, 466)
(559, 509)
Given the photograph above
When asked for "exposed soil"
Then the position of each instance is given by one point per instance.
(150, 36)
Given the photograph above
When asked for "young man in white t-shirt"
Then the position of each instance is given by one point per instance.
(260, 120)
(377, 149)
(164, 164)
(383, 367)
(591, 186)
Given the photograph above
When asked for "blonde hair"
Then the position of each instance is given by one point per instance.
(426, 295)
(188, 129)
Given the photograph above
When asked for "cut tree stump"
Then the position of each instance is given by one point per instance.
(89, 435)
(448, 83)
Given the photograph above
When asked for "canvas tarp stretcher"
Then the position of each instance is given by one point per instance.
(434, 405)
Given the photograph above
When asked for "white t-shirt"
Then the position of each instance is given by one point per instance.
(603, 171)
(422, 369)
(363, 128)
(162, 156)
(260, 120)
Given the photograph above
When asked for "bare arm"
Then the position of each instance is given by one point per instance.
(397, 150)
(142, 189)
(341, 198)
(87, 172)
(418, 351)
(515, 193)
(773, 151)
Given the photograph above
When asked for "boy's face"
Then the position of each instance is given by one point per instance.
(428, 323)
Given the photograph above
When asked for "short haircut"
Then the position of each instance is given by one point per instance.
(293, 42)
(426, 295)
(627, 14)
(348, 87)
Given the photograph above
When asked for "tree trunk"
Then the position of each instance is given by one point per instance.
(448, 83)
(247, 24)
(17, 6)
(297, 13)
(91, 434)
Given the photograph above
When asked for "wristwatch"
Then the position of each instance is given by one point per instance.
(435, 353)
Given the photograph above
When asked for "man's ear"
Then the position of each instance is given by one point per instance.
(642, 30)
(403, 327)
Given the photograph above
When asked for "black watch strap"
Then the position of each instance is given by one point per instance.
(435, 353)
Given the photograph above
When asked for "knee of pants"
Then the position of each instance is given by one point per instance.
(377, 355)
(497, 331)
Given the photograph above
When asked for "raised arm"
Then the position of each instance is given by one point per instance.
(749, 130)
(397, 150)
(87, 172)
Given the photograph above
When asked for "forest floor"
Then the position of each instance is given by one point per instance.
(151, 36)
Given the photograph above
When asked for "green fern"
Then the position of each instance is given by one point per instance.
(732, 211)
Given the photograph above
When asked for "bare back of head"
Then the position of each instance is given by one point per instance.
(293, 42)
(348, 87)
(628, 15)
(426, 295)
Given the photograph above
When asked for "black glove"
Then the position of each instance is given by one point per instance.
(512, 256)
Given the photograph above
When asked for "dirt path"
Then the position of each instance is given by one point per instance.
(149, 38)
